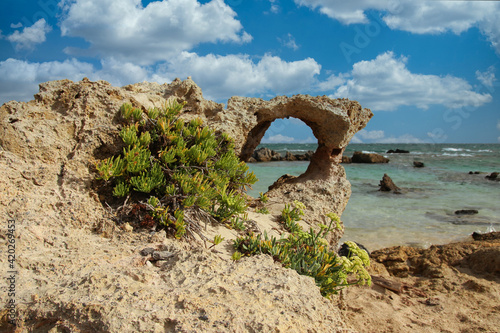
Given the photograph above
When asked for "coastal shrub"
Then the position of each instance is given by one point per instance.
(184, 172)
(309, 254)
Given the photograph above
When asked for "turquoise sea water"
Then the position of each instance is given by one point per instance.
(424, 213)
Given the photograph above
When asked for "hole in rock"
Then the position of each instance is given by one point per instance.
(285, 148)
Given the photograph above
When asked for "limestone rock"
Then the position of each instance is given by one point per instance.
(80, 272)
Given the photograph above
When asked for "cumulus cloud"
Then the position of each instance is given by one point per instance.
(127, 31)
(278, 138)
(487, 78)
(19, 79)
(420, 17)
(221, 77)
(30, 36)
(385, 83)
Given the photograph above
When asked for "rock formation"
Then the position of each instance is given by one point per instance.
(418, 164)
(74, 261)
(360, 157)
(387, 185)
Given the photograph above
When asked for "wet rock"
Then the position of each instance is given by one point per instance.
(418, 164)
(487, 236)
(466, 212)
(387, 185)
(360, 157)
(493, 176)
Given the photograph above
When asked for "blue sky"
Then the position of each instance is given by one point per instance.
(427, 69)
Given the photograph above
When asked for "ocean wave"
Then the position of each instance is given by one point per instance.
(456, 155)
(455, 149)
(485, 151)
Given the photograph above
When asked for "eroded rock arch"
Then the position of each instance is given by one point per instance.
(323, 187)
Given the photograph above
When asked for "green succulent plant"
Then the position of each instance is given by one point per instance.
(184, 169)
(308, 253)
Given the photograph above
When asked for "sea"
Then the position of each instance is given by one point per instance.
(424, 214)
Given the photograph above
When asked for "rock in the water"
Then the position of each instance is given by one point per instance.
(398, 151)
(418, 164)
(493, 176)
(387, 185)
(346, 159)
(360, 157)
(466, 212)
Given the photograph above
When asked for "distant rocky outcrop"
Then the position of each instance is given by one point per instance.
(398, 151)
(387, 185)
(266, 155)
(360, 157)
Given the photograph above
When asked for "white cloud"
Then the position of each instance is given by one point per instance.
(386, 84)
(19, 79)
(331, 83)
(127, 31)
(30, 36)
(487, 78)
(289, 42)
(221, 77)
(278, 138)
(347, 12)
(274, 7)
(378, 136)
(16, 26)
(420, 17)
(308, 140)
(371, 135)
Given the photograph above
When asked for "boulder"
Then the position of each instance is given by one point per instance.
(387, 185)
(493, 176)
(418, 164)
(360, 157)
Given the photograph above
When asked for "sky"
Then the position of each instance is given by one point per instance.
(427, 69)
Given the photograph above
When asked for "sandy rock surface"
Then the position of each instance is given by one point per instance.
(447, 288)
